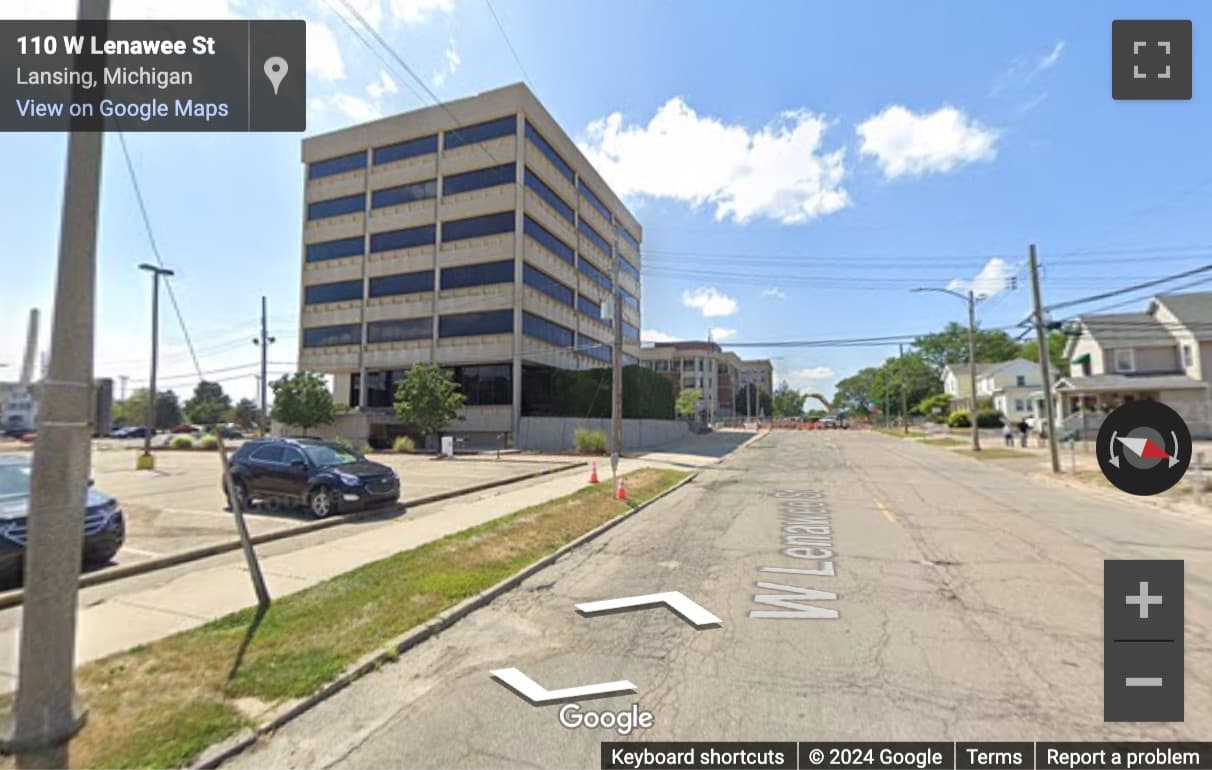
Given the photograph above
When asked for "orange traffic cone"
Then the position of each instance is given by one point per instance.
(593, 475)
(621, 492)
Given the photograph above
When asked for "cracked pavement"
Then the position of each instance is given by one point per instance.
(969, 601)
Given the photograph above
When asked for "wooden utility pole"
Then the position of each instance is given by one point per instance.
(904, 394)
(1045, 354)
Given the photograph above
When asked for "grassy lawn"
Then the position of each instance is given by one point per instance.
(161, 704)
(899, 432)
(995, 454)
(944, 441)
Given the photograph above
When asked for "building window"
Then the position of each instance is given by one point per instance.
(1125, 360)
(480, 179)
(534, 136)
(405, 193)
(401, 283)
(345, 247)
(325, 336)
(477, 227)
(629, 300)
(413, 148)
(589, 307)
(544, 238)
(1020, 381)
(542, 329)
(333, 166)
(336, 207)
(1186, 356)
(545, 283)
(593, 348)
(594, 273)
(400, 330)
(482, 274)
(630, 360)
(1019, 405)
(342, 291)
(480, 132)
(475, 324)
(629, 268)
(408, 238)
(630, 331)
(549, 196)
(488, 385)
(626, 235)
(594, 201)
(594, 237)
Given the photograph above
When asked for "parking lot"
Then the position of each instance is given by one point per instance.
(180, 505)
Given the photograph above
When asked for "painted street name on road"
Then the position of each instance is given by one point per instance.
(807, 537)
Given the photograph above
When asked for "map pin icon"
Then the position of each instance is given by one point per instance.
(275, 70)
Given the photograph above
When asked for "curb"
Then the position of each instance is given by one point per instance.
(16, 596)
(216, 755)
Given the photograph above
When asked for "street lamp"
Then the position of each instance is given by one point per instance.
(971, 299)
(146, 461)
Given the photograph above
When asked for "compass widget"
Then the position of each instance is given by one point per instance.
(1144, 447)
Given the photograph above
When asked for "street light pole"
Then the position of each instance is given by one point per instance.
(147, 462)
(970, 298)
(264, 341)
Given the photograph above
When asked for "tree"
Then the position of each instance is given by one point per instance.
(857, 394)
(787, 402)
(940, 401)
(302, 399)
(246, 414)
(1057, 341)
(168, 409)
(427, 399)
(209, 405)
(950, 346)
(688, 402)
(752, 401)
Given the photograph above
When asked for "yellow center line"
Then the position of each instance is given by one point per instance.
(884, 509)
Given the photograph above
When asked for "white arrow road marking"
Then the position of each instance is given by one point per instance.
(538, 695)
(675, 600)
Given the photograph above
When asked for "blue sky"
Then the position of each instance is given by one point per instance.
(798, 168)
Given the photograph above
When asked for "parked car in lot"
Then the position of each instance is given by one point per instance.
(134, 431)
(104, 524)
(324, 477)
(183, 429)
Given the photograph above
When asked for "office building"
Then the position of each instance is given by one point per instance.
(472, 234)
(718, 374)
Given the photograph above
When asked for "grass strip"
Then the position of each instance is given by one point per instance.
(944, 441)
(995, 453)
(161, 704)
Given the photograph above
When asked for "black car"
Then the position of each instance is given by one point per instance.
(104, 525)
(325, 477)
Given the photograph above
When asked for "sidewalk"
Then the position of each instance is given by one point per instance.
(114, 617)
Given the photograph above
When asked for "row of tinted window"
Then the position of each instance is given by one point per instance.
(335, 207)
(534, 136)
(547, 240)
(594, 237)
(586, 267)
(338, 165)
(482, 274)
(409, 237)
(405, 193)
(545, 283)
(593, 348)
(324, 336)
(343, 247)
(474, 324)
(594, 201)
(400, 330)
(477, 227)
(630, 331)
(629, 299)
(480, 179)
(542, 329)
(485, 385)
(480, 132)
(401, 283)
(629, 268)
(627, 236)
(549, 196)
(589, 307)
(342, 291)
(412, 148)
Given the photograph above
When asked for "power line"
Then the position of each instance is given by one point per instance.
(505, 35)
(372, 49)
(1127, 289)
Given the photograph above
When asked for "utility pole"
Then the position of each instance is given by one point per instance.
(616, 384)
(264, 342)
(146, 461)
(46, 713)
(904, 395)
(976, 434)
(122, 379)
(1041, 337)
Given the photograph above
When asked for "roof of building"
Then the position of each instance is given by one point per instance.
(1126, 330)
(1116, 382)
(1194, 310)
(961, 367)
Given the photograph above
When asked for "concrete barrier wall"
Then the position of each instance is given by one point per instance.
(555, 434)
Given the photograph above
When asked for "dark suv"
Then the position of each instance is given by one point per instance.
(325, 477)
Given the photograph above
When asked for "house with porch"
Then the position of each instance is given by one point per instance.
(1007, 386)
(1161, 354)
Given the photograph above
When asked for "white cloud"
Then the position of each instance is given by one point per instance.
(775, 292)
(1026, 68)
(779, 171)
(125, 9)
(807, 378)
(1031, 103)
(994, 278)
(905, 143)
(710, 302)
(371, 10)
(649, 336)
(719, 334)
(420, 11)
(323, 53)
(453, 60)
(383, 86)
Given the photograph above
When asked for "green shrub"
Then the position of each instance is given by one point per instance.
(403, 444)
(989, 418)
(181, 442)
(208, 442)
(590, 441)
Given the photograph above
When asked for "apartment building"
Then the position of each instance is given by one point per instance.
(706, 367)
(472, 234)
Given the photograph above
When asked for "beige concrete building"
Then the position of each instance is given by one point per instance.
(717, 373)
(472, 234)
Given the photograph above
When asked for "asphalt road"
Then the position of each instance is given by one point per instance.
(968, 607)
